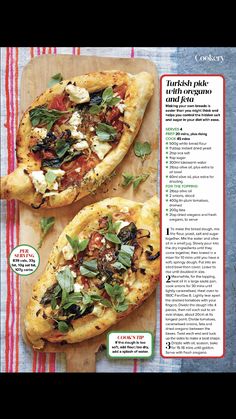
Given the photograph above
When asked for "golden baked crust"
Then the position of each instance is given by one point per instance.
(146, 216)
(18, 184)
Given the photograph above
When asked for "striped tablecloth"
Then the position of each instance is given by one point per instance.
(15, 356)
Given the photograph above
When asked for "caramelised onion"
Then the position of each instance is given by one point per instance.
(150, 256)
(136, 257)
(141, 233)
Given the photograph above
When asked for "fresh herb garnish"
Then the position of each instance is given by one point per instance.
(128, 179)
(116, 292)
(43, 116)
(63, 327)
(46, 224)
(50, 177)
(139, 179)
(142, 149)
(112, 238)
(135, 180)
(62, 147)
(89, 268)
(77, 246)
(65, 280)
(105, 132)
(124, 257)
(108, 99)
(57, 78)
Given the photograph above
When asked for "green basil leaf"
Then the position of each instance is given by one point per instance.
(95, 109)
(119, 266)
(65, 279)
(142, 149)
(127, 249)
(46, 224)
(114, 101)
(53, 303)
(68, 305)
(105, 132)
(43, 116)
(92, 264)
(86, 272)
(122, 307)
(86, 299)
(124, 259)
(107, 94)
(105, 302)
(128, 178)
(64, 297)
(139, 179)
(83, 244)
(61, 147)
(95, 297)
(71, 157)
(109, 289)
(112, 238)
(63, 327)
(57, 78)
(76, 245)
(50, 177)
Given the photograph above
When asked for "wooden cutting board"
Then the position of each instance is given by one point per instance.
(81, 357)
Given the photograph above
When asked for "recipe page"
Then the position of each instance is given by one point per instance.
(192, 198)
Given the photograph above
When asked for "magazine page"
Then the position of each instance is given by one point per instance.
(117, 204)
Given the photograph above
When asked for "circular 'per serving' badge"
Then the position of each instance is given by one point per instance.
(24, 260)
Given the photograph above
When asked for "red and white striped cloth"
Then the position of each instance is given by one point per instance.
(15, 355)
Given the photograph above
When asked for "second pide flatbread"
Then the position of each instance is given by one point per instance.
(104, 265)
(74, 135)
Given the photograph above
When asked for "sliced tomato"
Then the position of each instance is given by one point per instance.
(103, 221)
(120, 90)
(59, 102)
(47, 154)
(118, 125)
(114, 113)
(85, 281)
(81, 162)
(95, 241)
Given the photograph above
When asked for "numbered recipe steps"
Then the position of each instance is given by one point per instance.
(192, 216)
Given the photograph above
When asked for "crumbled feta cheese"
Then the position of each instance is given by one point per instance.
(98, 310)
(91, 129)
(103, 278)
(80, 145)
(78, 287)
(108, 257)
(67, 252)
(77, 94)
(75, 120)
(39, 181)
(122, 224)
(121, 107)
(125, 210)
(78, 170)
(58, 172)
(77, 134)
(101, 148)
(39, 133)
(53, 186)
(103, 240)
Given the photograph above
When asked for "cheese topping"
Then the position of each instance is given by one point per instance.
(39, 133)
(81, 145)
(75, 120)
(121, 107)
(125, 210)
(39, 181)
(58, 172)
(98, 310)
(67, 252)
(101, 148)
(77, 94)
(77, 134)
(78, 287)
